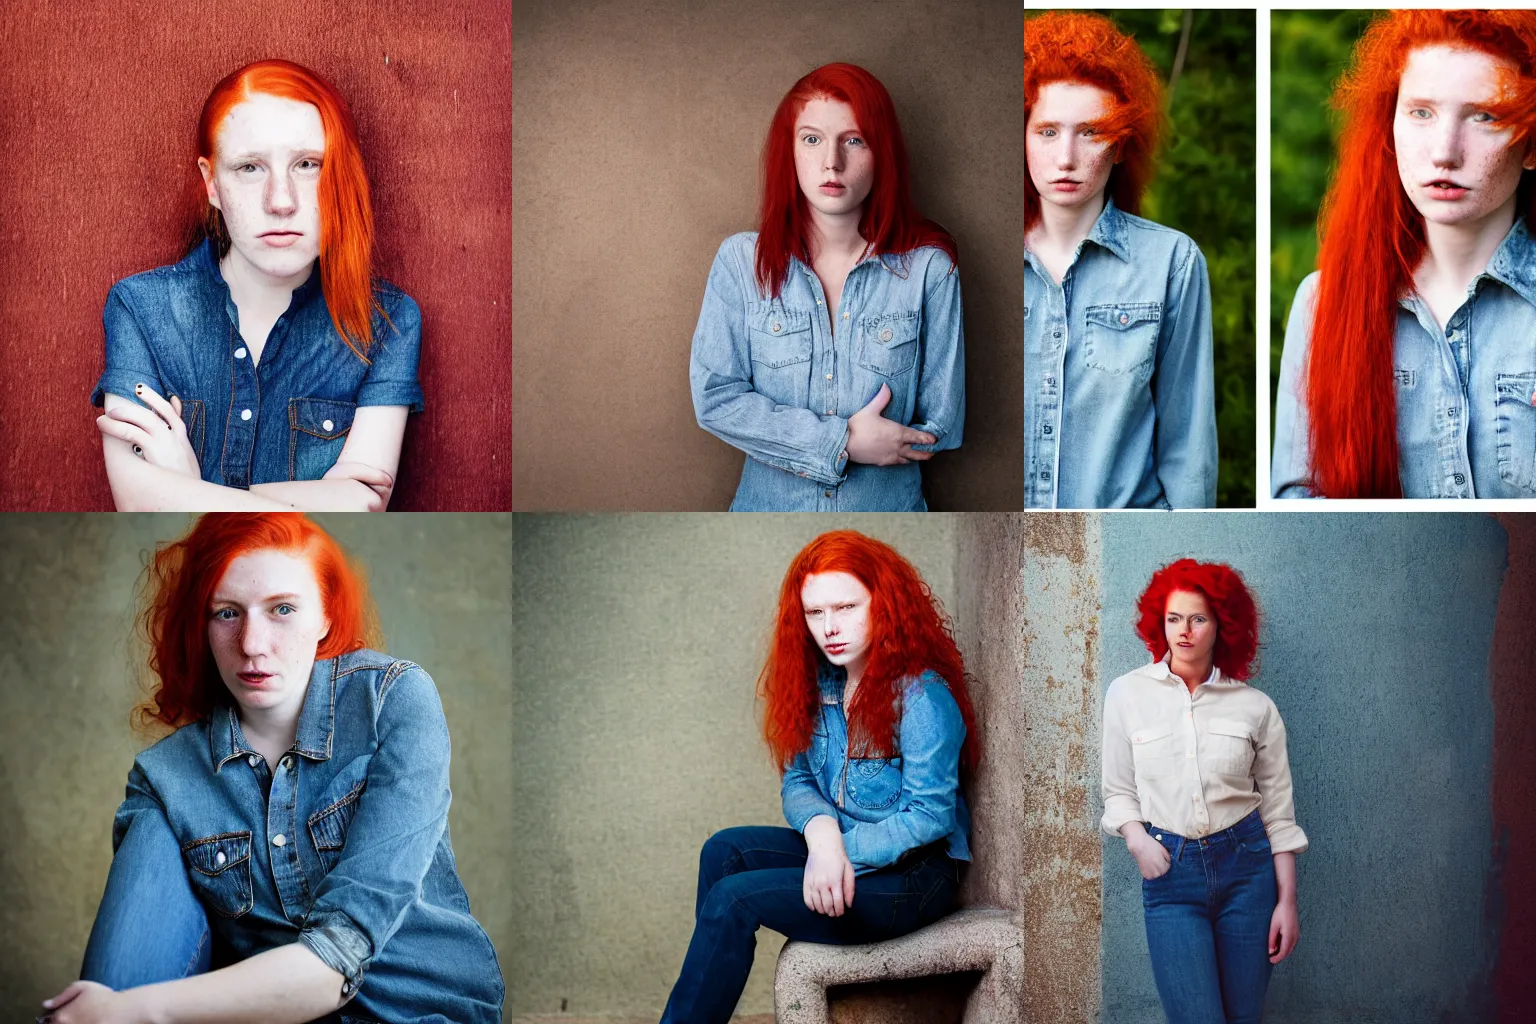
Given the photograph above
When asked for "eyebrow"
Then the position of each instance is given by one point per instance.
(265, 600)
(818, 128)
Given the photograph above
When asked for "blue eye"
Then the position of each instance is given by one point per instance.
(855, 141)
(810, 140)
(224, 614)
(285, 605)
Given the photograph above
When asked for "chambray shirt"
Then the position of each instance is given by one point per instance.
(343, 846)
(771, 377)
(176, 329)
(1466, 427)
(885, 806)
(1119, 385)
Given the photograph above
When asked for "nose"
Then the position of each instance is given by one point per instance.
(832, 627)
(1447, 150)
(253, 636)
(282, 198)
(1066, 153)
(832, 159)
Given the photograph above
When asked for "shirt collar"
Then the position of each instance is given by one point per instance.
(830, 680)
(1513, 264)
(1162, 670)
(317, 722)
(1110, 230)
(206, 258)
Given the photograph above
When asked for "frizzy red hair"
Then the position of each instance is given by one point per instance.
(1087, 48)
(1372, 239)
(1237, 616)
(179, 583)
(890, 222)
(910, 634)
(346, 213)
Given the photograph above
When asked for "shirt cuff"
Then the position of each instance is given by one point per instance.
(1115, 817)
(341, 947)
(120, 382)
(391, 392)
(1286, 837)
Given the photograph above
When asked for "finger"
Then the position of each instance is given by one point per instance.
(71, 990)
(176, 405)
(910, 436)
(146, 419)
(848, 884)
(912, 454)
(880, 400)
(1274, 937)
(835, 893)
(129, 432)
(158, 405)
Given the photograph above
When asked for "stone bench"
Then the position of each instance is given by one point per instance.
(977, 939)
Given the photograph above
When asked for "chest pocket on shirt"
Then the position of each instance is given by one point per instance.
(317, 429)
(1514, 428)
(1229, 748)
(887, 354)
(1122, 338)
(220, 870)
(1152, 752)
(328, 826)
(780, 343)
(874, 782)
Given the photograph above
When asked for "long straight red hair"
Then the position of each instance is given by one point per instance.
(1372, 238)
(346, 214)
(889, 222)
(178, 587)
(910, 634)
(1088, 48)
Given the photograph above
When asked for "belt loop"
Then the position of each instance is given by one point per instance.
(1182, 842)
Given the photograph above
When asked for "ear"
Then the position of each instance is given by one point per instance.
(1529, 163)
(206, 170)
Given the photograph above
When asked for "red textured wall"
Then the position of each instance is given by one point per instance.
(98, 105)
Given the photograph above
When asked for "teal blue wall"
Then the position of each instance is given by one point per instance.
(1376, 639)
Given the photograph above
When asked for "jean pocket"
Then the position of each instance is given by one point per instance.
(874, 782)
(220, 869)
(317, 430)
(780, 345)
(1514, 428)
(1121, 339)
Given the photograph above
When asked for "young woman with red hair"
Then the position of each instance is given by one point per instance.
(1119, 386)
(829, 348)
(268, 369)
(293, 831)
(1196, 780)
(1408, 369)
(867, 717)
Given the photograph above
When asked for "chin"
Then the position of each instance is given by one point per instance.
(279, 263)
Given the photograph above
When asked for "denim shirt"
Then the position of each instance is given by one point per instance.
(1119, 385)
(885, 806)
(770, 376)
(342, 846)
(176, 329)
(1466, 427)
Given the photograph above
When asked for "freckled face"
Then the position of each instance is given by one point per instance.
(833, 165)
(265, 623)
(837, 614)
(1189, 627)
(1453, 157)
(1069, 163)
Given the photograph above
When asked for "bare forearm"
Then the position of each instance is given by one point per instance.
(146, 488)
(1285, 876)
(286, 985)
(318, 495)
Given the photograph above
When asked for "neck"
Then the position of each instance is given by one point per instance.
(836, 234)
(1191, 672)
(855, 672)
(256, 290)
(1063, 228)
(1454, 254)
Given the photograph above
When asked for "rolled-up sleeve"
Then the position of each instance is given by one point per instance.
(129, 359)
(1118, 766)
(395, 356)
(1272, 776)
(394, 834)
(1185, 389)
(940, 408)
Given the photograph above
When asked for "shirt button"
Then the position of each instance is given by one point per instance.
(885, 335)
(829, 494)
(845, 316)
(327, 425)
(1124, 319)
(1159, 837)
(829, 376)
(1056, 334)
(245, 414)
(1460, 479)
(818, 302)
(288, 762)
(252, 760)
(1047, 430)
(239, 353)
(777, 328)
(219, 857)
(829, 413)
(279, 840)
(346, 988)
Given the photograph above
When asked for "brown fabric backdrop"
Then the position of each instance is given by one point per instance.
(638, 134)
(98, 108)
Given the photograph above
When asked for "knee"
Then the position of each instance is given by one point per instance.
(719, 851)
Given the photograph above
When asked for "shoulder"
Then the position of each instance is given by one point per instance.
(740, 248)
(1151, 239)
(1306, 292)
(157, 285)
(393, 300)
(1131, 682)
(379, 674)
(929, 263)
(929, 695)
(175, 754)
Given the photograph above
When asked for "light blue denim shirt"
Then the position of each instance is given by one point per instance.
(1466, 427)
(343, 846)
(885, 806)
(1119, 385)
(772, 377)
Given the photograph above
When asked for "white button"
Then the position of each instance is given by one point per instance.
(1159, 837)
(327, 425)
(279, 839)
(818, 302)
(252, 760)
(829, 376)
(288, 762)
(845, 316)
(219, 857)
(245, 414)
(885, 335)
(239, 353)
(777, 328)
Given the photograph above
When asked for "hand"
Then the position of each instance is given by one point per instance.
(828, 883)
(376, 480)
(1151, 857)
(157, 434)
(85, 1002)
(1284, 930)
(877, 441)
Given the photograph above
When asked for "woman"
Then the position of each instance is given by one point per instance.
(830, 348)
(1197, 782)
(1408, 369)
(268, 369)
(295, 826)
(1119, 392)
(868, 720)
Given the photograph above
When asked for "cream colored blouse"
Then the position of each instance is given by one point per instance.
(1195, 763)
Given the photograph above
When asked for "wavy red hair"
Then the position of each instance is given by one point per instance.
(178, 586)
(890, 222)
(346, 213)
(1232, 605)
(1062, 46)
(910, 634)
(1372, 239)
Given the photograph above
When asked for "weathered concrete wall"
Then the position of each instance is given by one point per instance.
(1376, 637)
(68, 667)
(638, 639)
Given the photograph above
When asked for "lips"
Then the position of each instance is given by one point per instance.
(254, 678)
(836, 648)
(1445, 189)
(280, 239)
(833, 188)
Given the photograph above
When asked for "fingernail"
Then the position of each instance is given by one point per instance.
(138, 388)
(48, 1003)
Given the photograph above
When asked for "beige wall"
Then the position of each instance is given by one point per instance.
(637, 643)
(638, 130)
(67, 662)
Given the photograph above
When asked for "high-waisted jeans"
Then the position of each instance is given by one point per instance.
(751, 877)
(1208, 924)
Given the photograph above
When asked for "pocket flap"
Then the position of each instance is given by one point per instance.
(1126, 315)
(217, 854)
(1151, 734)
(1229, 727)
(321, 417)
(1515, 387)
(890, 331)
(328, 826)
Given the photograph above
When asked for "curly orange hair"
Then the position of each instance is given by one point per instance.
(1088, 48)
(179, 583)
(911, 635)
(1372, 239)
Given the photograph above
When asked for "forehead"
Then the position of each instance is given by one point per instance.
(831, 588)
(258, 574)
(1071, 103)
(828, 114)
(1449, 74)
(1188, 602)
(267, 124)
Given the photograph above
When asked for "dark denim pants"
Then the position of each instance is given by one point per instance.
(751, 877)
(1208, 924)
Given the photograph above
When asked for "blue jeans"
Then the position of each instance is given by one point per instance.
(1208, 924)
(751, 877)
